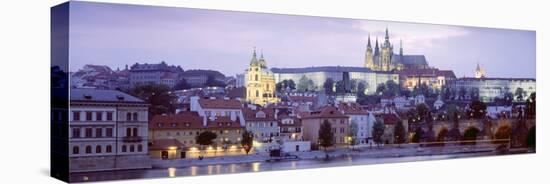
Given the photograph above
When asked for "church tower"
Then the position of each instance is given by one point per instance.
(480, 72)
(386, 53)
(369, 58)
(260, 82)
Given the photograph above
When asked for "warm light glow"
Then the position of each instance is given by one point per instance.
(256, 166)
(172, 148)
(256, 144)
(171, 172)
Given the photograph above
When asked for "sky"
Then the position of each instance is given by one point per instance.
(116, 35)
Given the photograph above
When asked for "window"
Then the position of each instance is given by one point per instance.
(140, 148)
(99, 116)
(88, 132)
(108, 149)
(128, 116)
(135, 132)
(257, 93)
(76, 132)
(123, 148)
(88, 149)
(256, 77)
(132, 148)
(98, 132)
(109, 132)
(76, 116)
(109, 116)
(76, 149)
(98, 149)
(88, 116)
(135, 116)
(128, 132)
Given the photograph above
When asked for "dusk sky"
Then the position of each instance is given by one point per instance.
(116, 35)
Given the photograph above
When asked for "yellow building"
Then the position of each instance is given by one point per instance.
(260, 82)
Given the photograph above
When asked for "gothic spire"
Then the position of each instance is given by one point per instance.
(368, 42)
(387, 35)
(400, 47)
(254, 60)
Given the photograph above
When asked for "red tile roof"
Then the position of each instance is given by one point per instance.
(390, 119)
(250, 115)
(220, 103)
(325, 112)
(352, 108)
(182, 120)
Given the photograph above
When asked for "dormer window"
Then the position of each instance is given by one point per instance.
(173, 124)
(260, 114)
(187, 124)
(159, 124)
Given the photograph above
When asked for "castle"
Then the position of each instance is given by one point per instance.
(260, 82)
(384, 59)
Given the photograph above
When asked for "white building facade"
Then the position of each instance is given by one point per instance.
(108, 131)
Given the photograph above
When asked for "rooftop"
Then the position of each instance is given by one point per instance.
(98, 95)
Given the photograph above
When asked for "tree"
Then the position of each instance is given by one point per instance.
(361, 88)
(247, 141)
(418, 134)
(478, 109)
(531, 106)
(442, 136)
(423, 111)
(305, 84)
(462, 93)
(206, 138)
(399, 134)
(283, 85)
(470, 135)
(380, 89)
(182, 84)
(531, 137)
(326, 136)
(329, 86)
(353, 129)
(474, 93)
(503, 134)
(159, 97)
(378, 132)
(520, 93)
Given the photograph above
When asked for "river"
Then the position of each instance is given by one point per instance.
(252, 167)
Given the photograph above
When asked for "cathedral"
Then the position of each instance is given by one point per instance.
(384, 59)
(260, 82)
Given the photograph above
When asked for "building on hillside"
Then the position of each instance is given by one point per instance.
(320, 74)
(290, 127)
(160, 73)
(107, 130)
(490, 88)
(199, 78)
(311, 123)
(432, 77)
(383, 57)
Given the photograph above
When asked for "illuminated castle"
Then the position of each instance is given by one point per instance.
(384, 59)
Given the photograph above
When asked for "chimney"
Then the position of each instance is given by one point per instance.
(204, 121)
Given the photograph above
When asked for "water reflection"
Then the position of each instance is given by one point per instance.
(256, 166)
(171, 172)
(248, 167)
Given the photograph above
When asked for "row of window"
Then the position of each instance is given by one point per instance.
(89, 116)
(89, 132)
(108, 149)
(99, 116)
(197, 133)
(261, 125)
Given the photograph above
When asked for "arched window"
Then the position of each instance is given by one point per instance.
(132, 148)
(135, 132)
(128, 116)
(76, 149)
(135, 116)
(98, 149)
(128, 132)
(88, 149)
(140, 148)
(256, 77)
(123, 148)
(257, 93)
(108, 149)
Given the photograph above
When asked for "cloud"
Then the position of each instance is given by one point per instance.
(417, 38)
